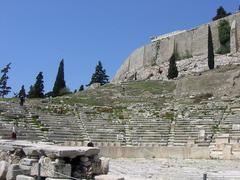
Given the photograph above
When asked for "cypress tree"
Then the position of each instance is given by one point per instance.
(4, 88)
(22, 92)
(221, 13)
(172, 70)
(210, 49)
(99, 76)
(60, 82)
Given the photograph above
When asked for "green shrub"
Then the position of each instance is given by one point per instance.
(224, 37)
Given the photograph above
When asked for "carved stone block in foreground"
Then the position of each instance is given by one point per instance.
(51, 169)
(59, 162)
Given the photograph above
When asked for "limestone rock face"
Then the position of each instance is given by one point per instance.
(189, 44)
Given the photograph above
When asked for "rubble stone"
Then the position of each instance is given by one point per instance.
(3, 169)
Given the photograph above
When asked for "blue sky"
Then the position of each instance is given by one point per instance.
(36, 35)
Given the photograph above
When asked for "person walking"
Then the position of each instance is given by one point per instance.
(14, 132)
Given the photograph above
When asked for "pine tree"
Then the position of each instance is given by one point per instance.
(60, 82)
(22, 92)
(37, 91)
(31, 92)
(39, 86)
(221, 13)
(99, 76)
(81, 88)
(210, 49)
(4, 89)
(172, 70)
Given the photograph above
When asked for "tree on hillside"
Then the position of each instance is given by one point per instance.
(31, 92)
(81, 88)
(39, 86)
(37, 91)
(172, 70)
(99, 76)
(221, 13)
(4, 88)
(210, 49)
(22, 92)
(60, 82)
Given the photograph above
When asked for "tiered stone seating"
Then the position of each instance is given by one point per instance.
(230, 124)
(62, 128)
(145, 131)
(101, 129)
(188, 129)
(13, 113)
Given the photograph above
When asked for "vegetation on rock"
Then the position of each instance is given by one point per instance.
(224, 37)
(221, 13)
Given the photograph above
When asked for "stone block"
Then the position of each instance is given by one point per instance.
(222, 139)
(25, 167)
(201, 134)
(56, 179)
(23, 177)
(108, 177)
(227, 152)
(84, 159)
(51, 169)
(13, 171)
(3, 169)
(27, 161)
(236, 127)
(104, 165)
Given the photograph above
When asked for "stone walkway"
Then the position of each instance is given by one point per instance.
(171, 169)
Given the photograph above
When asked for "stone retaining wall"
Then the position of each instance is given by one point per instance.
(156, 152)
(189, 43)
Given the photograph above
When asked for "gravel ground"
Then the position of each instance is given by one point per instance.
(172, 169)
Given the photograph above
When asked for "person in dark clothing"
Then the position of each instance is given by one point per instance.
(22, 100)
(90, 144)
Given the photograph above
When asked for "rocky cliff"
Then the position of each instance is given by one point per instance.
(151, 60)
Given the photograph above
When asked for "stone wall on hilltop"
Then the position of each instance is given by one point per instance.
(149, 61)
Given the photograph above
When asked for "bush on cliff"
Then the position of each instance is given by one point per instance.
(210, 50)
